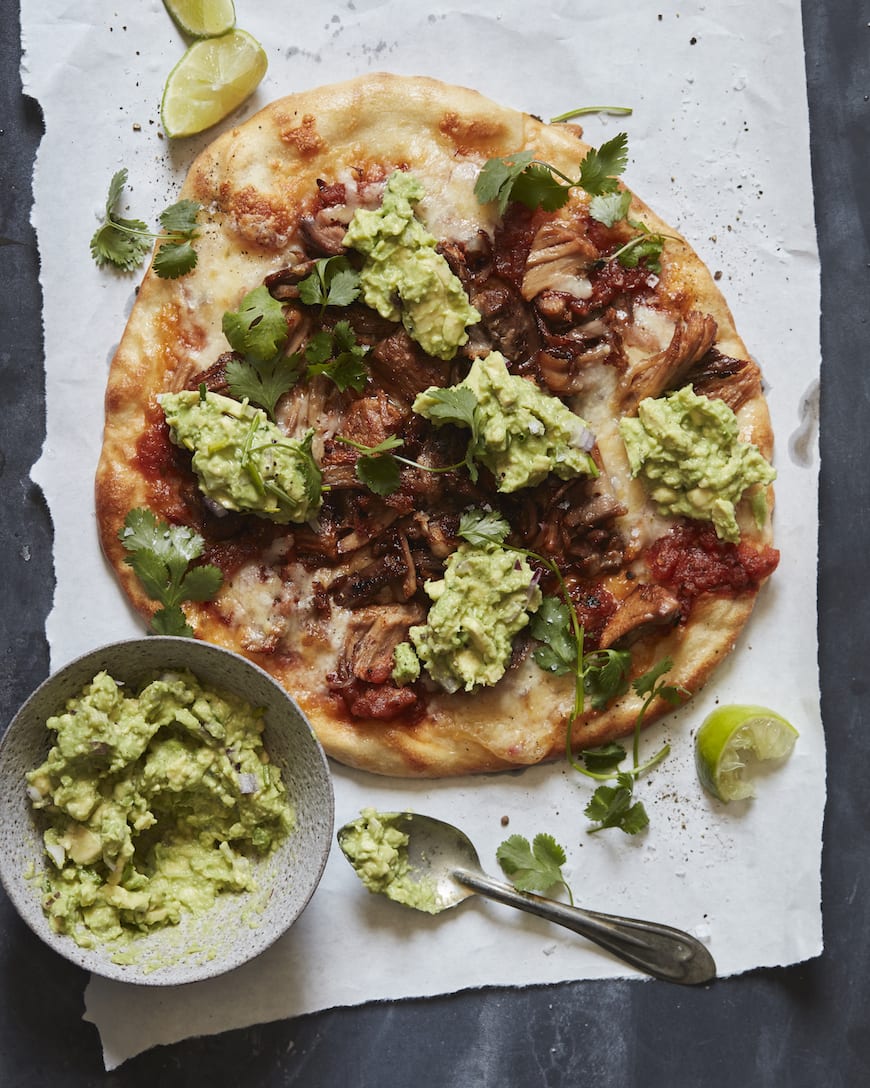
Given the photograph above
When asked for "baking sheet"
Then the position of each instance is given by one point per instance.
(719, 147)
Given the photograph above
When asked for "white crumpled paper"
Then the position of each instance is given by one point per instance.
(719, 147)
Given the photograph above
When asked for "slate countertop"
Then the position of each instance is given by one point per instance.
(804, 1025)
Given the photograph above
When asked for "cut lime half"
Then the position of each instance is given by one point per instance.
(213, 78)
(730, 739)
(202, 18)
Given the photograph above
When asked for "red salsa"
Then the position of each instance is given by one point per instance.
(691, 560)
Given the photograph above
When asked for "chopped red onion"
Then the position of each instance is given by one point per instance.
(248, 783)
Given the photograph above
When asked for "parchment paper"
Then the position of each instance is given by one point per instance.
(719, 147)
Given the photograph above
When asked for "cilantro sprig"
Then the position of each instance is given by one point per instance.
(603, 672)
(338, 356)
(580, 111)
(258, 331)
(160, 556)
(378, 467)
(334, 282)
(124, 242)
(520, 176)
(537, 184)
(612, 804)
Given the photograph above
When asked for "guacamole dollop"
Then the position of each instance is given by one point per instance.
(241, 459)
(686, 450)
(406, 664)
(522, 433)
(378, 851)
(404, 277)
(485, 597)
(156, 800)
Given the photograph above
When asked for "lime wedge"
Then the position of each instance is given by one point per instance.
(202, 18)
(730, 739)
(213, 78)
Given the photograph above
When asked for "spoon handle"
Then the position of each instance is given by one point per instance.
(660, 951)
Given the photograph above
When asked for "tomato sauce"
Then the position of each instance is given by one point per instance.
(691, 560)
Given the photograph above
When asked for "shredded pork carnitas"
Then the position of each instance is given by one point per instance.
(559, 311)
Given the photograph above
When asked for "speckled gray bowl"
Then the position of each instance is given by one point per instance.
(240, 926)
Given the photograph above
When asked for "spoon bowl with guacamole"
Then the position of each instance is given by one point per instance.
(430, 865)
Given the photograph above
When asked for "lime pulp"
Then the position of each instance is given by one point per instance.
(213, 78)
(730, 739)
(202, 18)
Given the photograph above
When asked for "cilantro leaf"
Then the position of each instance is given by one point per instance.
(497, 177)
(319, 348)
(391, 442)
(535, 868)
(264, 384)
(116, 187)
(380, 473)
(346, 370)
(643, 247)
(174, 259)
(201, 583)
(258, 328)
(377, 468)
(537, 187)
(151, 571)
(160, 555)
(121, 242)
(140, 531)
(601, 167)
(605, 675)
(610, 208)
(551, 625)
(607, 757)
(456, 404)
(611, 806)
(334, 282)
(646, 684)
(171, 621)
(339, 357)
(180, 218)
(483, 527)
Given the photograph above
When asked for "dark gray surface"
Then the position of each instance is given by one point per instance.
(807, 1025)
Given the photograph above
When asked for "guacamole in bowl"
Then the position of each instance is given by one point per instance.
(165, 808)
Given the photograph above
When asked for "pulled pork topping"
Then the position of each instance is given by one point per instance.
(558, 309)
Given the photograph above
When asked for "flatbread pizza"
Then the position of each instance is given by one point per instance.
(466, 428)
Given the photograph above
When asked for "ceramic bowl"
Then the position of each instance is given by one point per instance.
(240, 925)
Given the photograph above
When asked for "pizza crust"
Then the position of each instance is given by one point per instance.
(255, 183)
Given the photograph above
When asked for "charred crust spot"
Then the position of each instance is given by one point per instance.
(257, 218)
(467, 134)
(304, 137)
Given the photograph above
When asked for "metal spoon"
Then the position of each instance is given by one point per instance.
(444, 865)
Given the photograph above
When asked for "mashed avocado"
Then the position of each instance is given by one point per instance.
(155, 800)
(686, 450)
(482, 601)
(523, 433)
(242, 460)
(378, 851)
(404, 277)
(406, 664)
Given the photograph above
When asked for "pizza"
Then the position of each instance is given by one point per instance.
(416, 258)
